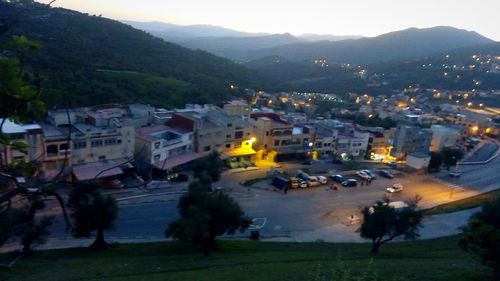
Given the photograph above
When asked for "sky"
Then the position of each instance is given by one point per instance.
(346, 17)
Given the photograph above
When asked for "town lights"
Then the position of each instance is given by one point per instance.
(253, 139)
(311, 144)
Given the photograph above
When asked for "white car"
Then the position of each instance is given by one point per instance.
(363, 175)
(397, 187)
(302, 183)
(322, 180)
(370, 173)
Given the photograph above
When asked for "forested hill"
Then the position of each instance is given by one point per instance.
(88, 60)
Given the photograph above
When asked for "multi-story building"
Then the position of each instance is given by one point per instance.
(278, 139)
(101, 136)
(163, 147)
(409, 139)
(31, 135)
(215, 130)
(351, 142)
(443, 136)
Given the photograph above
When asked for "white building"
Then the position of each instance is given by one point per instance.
(442, 137)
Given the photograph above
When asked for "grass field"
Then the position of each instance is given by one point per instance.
(438, 259)
(464, 204)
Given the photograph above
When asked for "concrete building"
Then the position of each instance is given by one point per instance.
(214, 129)
(410, 139)
(31, 135)
(102, 138)
(443, 136)
(418, 161)
(164, 148)
(351, 142)
(278, 139)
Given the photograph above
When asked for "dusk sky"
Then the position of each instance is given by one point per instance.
(353, 17)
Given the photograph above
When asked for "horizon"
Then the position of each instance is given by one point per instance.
(303, 18)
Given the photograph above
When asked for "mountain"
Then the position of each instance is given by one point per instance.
(89, 60)
(178, 32)
(236, 47)
(397, 45)
(459, 69)
(327, 37)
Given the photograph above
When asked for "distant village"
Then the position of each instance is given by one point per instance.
(107, 141)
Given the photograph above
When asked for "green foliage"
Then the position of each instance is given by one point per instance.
(210, 166)
(89, 60)
(382, 223)
(92, 211)
(482, 235)
(206, 215)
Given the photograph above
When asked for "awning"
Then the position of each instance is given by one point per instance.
(237, 152)
(96, 170)
(177, 160)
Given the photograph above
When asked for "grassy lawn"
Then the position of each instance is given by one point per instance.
(467, 203)
(438, 259)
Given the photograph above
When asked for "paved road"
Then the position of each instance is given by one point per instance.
(298, 213)
(483, 153)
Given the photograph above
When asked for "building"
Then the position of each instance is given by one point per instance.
(410, 139)
(164, 148)
(326, 137)
(102, 138)
(215, 130)
(351, 142)
(278, 139)
(418, 161)
(237, 108)
(30, 135)
(442, 137)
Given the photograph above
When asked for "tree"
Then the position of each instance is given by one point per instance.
(435, 162)
(92, 211)
(382, 222)
(482, 235)
(451, 156)
(204, 216)
(211, 165)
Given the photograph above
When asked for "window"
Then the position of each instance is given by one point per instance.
(229, 125)
(118, 141)
(63, 146)
(157, 145)
(228, 145)
(228, 136)
(156, 157)
(277, 143)
(267, 133)
(238, 135)
(206, 148)
(102, 157)
(96, 143)
(80, 145)
(110, 142)
(52, 149)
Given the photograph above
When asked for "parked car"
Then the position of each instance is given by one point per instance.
(294, 183)
(370, 173)
(313, 181)
(397, 187)
(455, 174)
(281, 182)
(363, 175)
(178, 178)
(386, 174)
(322, 180)
(350, 182)
(302, 183)
(338, 178)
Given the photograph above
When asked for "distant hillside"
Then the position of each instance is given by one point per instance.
(89, 60)
(179, 32)
(463, 67)
(397, 45)
(327, 37)
(236, 47)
